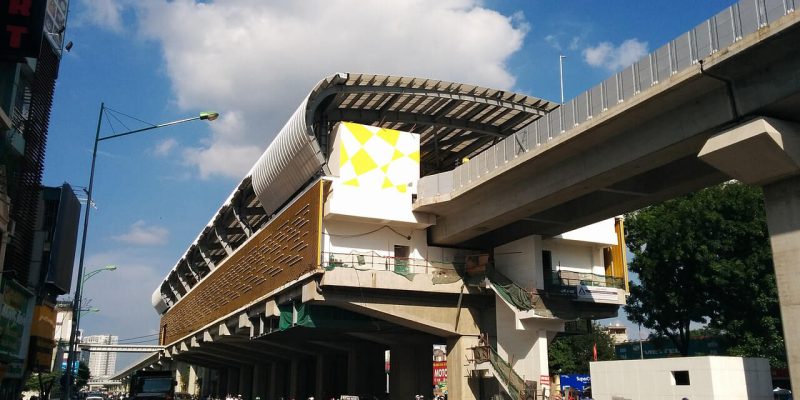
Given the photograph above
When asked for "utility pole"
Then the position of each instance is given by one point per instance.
(561, 58)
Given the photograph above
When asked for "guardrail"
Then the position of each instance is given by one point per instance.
(716, 33)
(571, 278)
(400, 265)
(514, 384)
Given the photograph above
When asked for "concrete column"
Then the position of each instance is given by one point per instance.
(272, 381)
(766, 152)
(246, 382)
(232, 381)
(319, 376)
(259, 381)
(181, 376)
(193, 388)
(411, 371)
(294, 378)
(782, 200)
(458, 385)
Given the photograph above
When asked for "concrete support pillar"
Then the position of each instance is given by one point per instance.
(232, 381)
(294, 377)
(259, 381)
(459, 386)
(411, 371)
(181, 376)
(366, 371)
(782, 200)
(319, 376)
(766, 152)
(193, 387)
(272, 381)
(246, 382)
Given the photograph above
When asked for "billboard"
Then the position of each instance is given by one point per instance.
(64, 238)
(21, 26)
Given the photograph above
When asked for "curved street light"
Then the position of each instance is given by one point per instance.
(90, 274)
(205, 116)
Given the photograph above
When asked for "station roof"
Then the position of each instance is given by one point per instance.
(454, 120)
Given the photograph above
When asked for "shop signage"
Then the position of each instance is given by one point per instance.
(597, 294)
(21, 27)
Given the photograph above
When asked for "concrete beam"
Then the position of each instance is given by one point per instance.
(411, 312)
(757, 152)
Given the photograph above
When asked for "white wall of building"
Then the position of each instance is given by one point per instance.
(576, 256)
(717, 378)
(341, 238)
(101, 364)
(521, 261)
(600, 232)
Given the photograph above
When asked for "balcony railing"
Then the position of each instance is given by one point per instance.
(444, 270)
(572, 278)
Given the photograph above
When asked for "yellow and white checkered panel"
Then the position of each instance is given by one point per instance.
(376, 158)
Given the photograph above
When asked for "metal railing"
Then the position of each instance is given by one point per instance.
(710, 36)
(400, 265)
(515, 385)
(571, 278)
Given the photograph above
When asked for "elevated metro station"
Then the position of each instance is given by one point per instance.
(317, 267)
(392, 214)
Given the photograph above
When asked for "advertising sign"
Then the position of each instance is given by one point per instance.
(21, 25)
(439, 372)
(16, 310)
(575, 381)
(597, 294)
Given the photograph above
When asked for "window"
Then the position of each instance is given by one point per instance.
(547, 269)
(680, 378)
(401, 259)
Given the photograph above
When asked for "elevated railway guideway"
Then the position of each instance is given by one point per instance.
(355, 233)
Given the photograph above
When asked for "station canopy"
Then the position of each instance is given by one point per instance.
(454, 121)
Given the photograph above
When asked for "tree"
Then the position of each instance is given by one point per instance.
(572, 353)
(83, 375)
(45, 383)
(702, 259)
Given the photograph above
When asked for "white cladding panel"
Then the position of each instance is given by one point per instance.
(376, 171)
(289, 162)
(158, 301)
(598, 232)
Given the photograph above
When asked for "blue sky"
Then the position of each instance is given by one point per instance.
(254, 61)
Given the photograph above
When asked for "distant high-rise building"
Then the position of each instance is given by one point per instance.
(101, 364)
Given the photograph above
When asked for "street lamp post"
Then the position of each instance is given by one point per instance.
(76, 305)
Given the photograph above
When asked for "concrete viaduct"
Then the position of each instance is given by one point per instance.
(716, 103)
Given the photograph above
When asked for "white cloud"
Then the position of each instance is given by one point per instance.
(615, 58)
(144, 235)
(106, 14)
(164, 148)
(254, 61)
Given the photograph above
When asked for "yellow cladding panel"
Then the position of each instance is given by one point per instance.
(377, 158)
(360, 132)
(389, 135)
(362, 162)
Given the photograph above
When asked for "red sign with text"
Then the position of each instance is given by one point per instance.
(439, 372)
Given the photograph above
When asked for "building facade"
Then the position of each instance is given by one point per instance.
(35, 254)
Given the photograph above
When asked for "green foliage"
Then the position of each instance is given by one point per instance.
(572, 353)
(83, 375)
(705, 258)
(44, 383)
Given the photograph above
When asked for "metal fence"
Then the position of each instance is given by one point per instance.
(400, 265)
(716, 33)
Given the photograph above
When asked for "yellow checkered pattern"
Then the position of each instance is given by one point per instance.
(378, 158)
